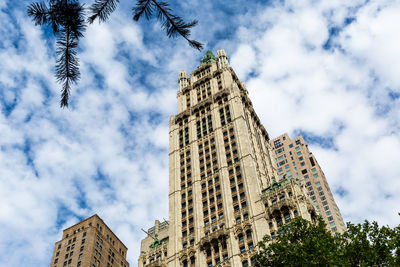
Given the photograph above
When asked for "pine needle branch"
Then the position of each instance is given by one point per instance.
(143, 6)
(39, 13)
(67, 19)
(102, 9)
(67, 65)
(172, 24)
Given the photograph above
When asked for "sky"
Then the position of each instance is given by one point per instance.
(326, 70)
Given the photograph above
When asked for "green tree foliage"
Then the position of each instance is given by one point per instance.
(301, 243)
(68, 20)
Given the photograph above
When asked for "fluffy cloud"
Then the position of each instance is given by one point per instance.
(321, 68)
(333, 76)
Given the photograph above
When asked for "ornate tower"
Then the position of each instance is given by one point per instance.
(224, 191)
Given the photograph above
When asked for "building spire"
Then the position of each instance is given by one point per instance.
(208, 58)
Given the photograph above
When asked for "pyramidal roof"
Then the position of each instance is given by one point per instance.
(208, 58)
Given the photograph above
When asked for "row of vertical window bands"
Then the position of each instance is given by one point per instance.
(192, 262)
(182, 121)
(245, 245)
(225, 115)
(186, 173)
(185, 232)
(187, 217)
(187, 99)
(230, 148)
(183, 137)
(210, 192)
(212, 200)
(185, 222)
(185, 242)
(206, 71)
(204, 126)
(203, 92)
(201, 112)
(214, 253)
(185, 164)
(187, 207)
(241, 213)
(208, 158)
(219, 82)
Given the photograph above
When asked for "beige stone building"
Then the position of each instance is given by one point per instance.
(293, 159)
(224, 190)
(89, 243)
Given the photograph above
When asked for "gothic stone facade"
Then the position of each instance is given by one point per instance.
(224, 190)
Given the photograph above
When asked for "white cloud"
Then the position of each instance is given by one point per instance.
(118, 121)
(302, 86)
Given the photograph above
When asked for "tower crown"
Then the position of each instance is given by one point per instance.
(208, 58)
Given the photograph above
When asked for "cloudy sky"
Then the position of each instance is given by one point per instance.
(327, 70)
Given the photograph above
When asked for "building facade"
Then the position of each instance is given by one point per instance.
(293, 159)
(89, 243)
(225, 193)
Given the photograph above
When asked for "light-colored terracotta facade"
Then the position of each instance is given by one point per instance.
(224, 190)
(89, 243)
(294, 159)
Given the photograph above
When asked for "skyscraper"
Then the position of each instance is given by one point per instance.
(224, 191)
(89, 243)
(293, 159)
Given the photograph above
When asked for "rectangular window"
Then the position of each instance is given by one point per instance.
(277, 143)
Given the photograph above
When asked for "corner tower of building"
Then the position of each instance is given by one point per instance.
(225, 194)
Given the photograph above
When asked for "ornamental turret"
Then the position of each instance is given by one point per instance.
(183, 80)
(222, 59)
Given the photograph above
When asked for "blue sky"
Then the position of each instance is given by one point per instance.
(327, 70)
